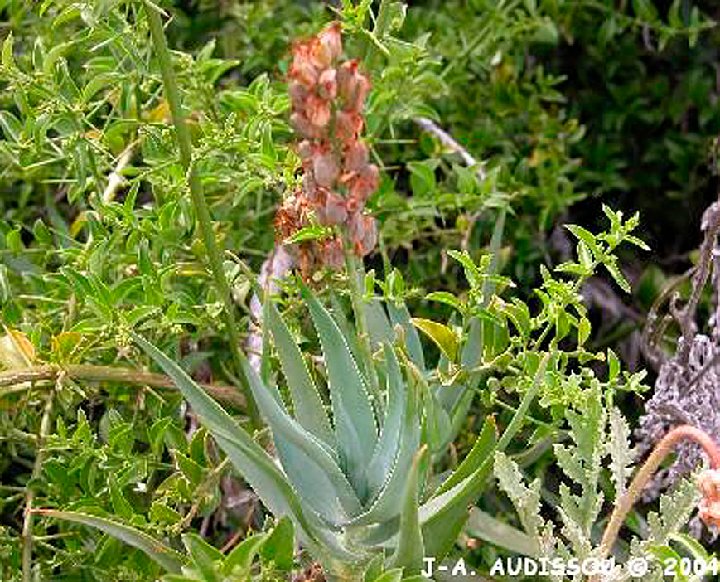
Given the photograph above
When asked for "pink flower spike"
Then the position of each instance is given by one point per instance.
(334, 211)
(356, 156)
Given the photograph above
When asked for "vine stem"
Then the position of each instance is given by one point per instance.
(27, 535)
(202, 212)
(645, 473)
(50, 372)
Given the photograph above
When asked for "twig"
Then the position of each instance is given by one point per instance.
(711, 226)
(204, 219)
(645, 473)
(27, 537)
(205, 487)
(449, 142)
(116, 179)
(50, 372)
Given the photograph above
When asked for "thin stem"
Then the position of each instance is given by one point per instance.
(645, 473)
(27, 537)
(198, 199)
(12, 378)
(355, 276)
(521, 412)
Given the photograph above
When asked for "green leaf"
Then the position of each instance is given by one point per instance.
(422, 177)
(354, 418)
(121, 506)
(446, 298)
(486, 527)
(278, 547)
(307, 404)
(526, 499)
(585, 236)
(617, 275)
(444, 515)
(440, 334)
(7, 52)
(409, 552)
(481, 451)
(242, 556)
(394, 575)
(309, 233)
(622, 456)
(168, 558)
(189, 468)
(204, 556)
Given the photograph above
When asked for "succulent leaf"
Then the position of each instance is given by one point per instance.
(409, 551)
(253, 463)
(355, 426)
(307, 404)
(389, 441)
(306, 461)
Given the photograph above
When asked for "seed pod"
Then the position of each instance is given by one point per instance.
(325, 168)
(331, 40)
(327, 84)
(356, 156)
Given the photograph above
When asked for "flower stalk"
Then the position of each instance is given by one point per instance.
(202, 212)
(646, 472)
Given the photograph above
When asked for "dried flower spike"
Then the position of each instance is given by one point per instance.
(328, 97)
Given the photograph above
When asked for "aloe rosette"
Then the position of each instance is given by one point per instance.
(352, 482)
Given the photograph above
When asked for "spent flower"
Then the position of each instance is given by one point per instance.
(328, 97)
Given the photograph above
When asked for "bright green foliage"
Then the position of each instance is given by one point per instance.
(560, 102)
(269, 555)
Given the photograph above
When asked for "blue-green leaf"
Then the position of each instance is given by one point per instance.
(254, 464)
(354, 419)
(399, 315)
(389, 442)
(307, 462)
(308, 406)
(386, 504)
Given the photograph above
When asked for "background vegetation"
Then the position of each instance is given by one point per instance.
(569, 108)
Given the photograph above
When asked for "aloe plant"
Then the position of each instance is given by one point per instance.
(351, 481)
